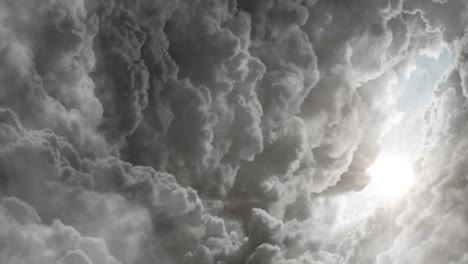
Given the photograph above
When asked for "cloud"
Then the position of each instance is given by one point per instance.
(220, 131)
(433, 220)
(26, 239)
(46, 65)
(120, 75)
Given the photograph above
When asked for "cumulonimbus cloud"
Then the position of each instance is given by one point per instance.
(211, 131)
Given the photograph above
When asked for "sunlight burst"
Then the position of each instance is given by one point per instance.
(391, 176)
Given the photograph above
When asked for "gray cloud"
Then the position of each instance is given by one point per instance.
(26, 239)
(212, 131)
(433, 220)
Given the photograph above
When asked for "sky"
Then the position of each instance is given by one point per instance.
(233, 131)
(402, 142)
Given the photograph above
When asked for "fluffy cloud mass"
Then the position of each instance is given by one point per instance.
(222, 131)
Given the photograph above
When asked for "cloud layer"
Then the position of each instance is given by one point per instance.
(208, 131)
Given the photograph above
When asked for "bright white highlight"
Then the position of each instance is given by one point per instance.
(391, 176)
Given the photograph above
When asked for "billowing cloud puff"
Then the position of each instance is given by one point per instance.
(25, 239)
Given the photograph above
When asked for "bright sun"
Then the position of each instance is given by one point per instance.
(391, 176)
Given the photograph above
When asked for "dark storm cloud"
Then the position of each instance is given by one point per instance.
(26, 239)
(126, 206)
(46, 57)
(216, 131)
(121, 76)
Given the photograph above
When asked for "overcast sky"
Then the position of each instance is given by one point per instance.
(233, 131)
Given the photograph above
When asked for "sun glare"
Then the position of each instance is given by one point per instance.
(391, 176)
